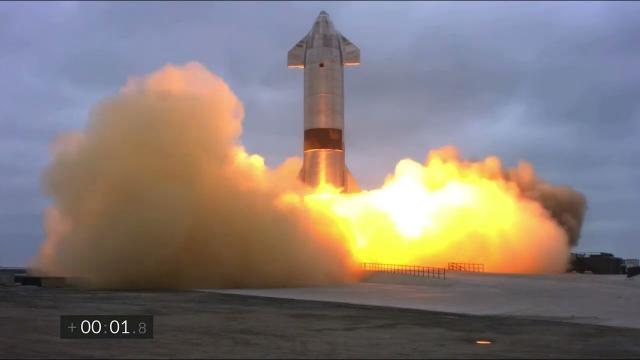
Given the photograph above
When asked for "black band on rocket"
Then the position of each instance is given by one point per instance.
(323, 138)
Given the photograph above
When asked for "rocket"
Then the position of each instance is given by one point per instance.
(323, 53)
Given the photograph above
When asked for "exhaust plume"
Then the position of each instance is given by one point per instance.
(157, 192)
(565, 205)
(451, 210)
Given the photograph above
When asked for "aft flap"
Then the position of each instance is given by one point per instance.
(350, 52)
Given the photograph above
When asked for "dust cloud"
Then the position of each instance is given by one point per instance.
(157, 192)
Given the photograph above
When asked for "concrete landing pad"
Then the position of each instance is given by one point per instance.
(582, 298)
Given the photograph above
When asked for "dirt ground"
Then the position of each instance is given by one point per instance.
(202, 324)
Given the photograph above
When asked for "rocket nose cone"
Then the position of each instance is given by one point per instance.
(323, 13)
(323, 24)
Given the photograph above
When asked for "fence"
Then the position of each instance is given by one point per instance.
(468, 267)
(415, 270)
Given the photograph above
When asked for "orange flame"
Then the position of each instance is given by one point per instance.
(444, 211)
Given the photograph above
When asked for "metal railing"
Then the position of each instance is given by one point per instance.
(468, 267)
(415, 270)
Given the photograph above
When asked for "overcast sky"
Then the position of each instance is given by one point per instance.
(557, 84)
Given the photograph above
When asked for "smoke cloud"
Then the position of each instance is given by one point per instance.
(157, 192)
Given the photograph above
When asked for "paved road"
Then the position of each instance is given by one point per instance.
(201, 324)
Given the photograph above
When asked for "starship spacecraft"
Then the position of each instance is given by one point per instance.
(323, 53)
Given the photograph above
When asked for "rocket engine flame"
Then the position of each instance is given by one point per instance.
(448, 210)
(158, 192)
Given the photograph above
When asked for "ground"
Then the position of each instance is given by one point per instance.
(206, 324)
(583, 298)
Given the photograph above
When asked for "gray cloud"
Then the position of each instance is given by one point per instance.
(553, 83)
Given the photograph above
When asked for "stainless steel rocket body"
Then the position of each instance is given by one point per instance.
(322, 54)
